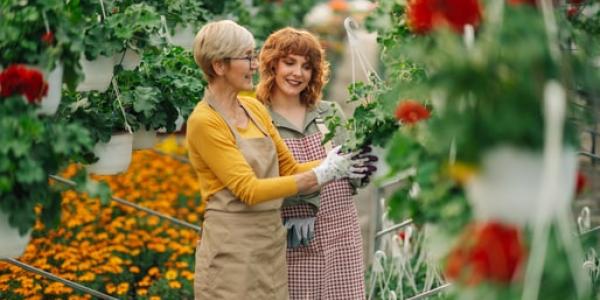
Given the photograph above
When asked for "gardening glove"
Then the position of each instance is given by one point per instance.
(366, 161)
(300, 231)
(336, 166)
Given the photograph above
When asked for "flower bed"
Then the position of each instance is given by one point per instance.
(116, 249)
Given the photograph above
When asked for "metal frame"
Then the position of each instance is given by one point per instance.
(66, 282)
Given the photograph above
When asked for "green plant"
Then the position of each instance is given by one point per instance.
(31, 148)
(100, 111)
(24, 37)
(372, 122)
(130, 28)
(172, 72)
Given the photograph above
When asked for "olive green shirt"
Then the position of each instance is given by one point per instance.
(288, 131)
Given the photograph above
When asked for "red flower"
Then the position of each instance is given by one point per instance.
(519, 2)
(401, 235)
(411, 111)
(490, 251)
(425, 15)
(48, 37)
(580, 183)
(18, 79)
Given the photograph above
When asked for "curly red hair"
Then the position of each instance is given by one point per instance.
(288, 41)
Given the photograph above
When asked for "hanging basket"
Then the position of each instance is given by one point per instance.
(50, 103)
(509, 184)
(144, 139)
(183, 36)
(114, 156)
(98, 73)
(12, 244)
(130, 61)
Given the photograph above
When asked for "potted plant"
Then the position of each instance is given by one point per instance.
(103, 113)
(31, 148)
(44, 35)
(116, 38)
(182, 20)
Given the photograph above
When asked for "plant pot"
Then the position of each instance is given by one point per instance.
(50, 103)
(12, 244)
(144, 139)
(114, 156)
(183, 36)
(508, 186)
(98, 73)
(130, 61)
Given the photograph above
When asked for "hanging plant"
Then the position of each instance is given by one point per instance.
(31, 148)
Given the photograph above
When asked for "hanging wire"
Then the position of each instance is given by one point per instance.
(118, 96)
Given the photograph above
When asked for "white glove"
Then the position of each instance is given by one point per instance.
(336, 166)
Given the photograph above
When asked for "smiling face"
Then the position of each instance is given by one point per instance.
(240, 69)
(292, 75)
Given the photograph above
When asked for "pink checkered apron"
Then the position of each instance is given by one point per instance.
(331, 266)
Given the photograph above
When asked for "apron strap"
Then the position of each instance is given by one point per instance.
(324, 131)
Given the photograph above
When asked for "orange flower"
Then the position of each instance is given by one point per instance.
(411, 111)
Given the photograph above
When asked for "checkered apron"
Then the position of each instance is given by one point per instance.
(331, 266)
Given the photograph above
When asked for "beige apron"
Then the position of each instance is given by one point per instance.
(242, 251)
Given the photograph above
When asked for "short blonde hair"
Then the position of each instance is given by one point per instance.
(292, 41)
(220, 40)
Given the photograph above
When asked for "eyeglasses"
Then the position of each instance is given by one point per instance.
(250, 58)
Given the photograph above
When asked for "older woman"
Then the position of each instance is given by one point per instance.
(245, 170)
(293, 71)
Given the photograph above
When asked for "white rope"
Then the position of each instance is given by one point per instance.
(355, 51)
(116, 89)
(102, 7)
(164, 29)
(45, 18)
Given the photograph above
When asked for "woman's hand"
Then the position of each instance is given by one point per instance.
(337, 165)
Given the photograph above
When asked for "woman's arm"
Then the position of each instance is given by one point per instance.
(215, 145)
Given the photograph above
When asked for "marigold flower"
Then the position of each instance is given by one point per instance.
(487, 252)
(175, 284)
(122, 288)
(410, 112)
(171, 274)
(426, 15)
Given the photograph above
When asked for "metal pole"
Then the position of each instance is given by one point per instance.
(430, 292)
(66, 282)
(136, 206)
(394, 227)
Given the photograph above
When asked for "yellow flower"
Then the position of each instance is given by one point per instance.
(155, 298)
(111, 288)
(174, 284)
(153, 271)
(171, 274)
(89, 276)
(134, 269)
(123, 288)
(142, 292)
(187, 275)
(461, 172)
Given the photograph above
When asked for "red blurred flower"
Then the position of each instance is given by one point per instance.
(48, 37)
(411, 111)
(580, 183)
(18, 79)
(489, 251)
(425, 15)
(401, 235)
(519, 2)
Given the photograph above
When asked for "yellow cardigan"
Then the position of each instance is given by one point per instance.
(219, 164)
